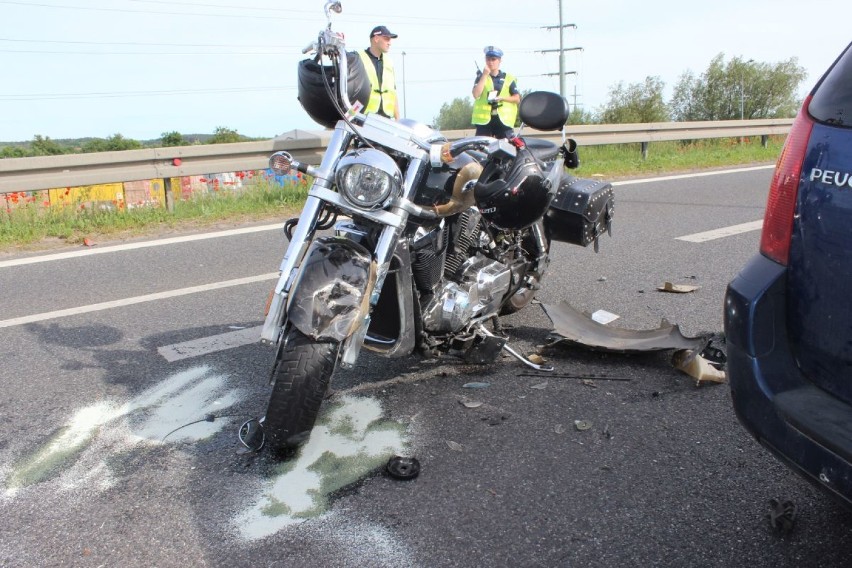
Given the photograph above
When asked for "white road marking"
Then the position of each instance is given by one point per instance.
(136, 300)
(723, 232)
(237, 338)
(212, 344)
(693, 175)
(140, 245)
(278, 226)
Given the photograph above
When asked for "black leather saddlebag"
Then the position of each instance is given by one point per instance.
(581, 211)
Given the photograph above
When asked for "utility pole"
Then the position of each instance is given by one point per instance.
(404, 107)
(562, 49)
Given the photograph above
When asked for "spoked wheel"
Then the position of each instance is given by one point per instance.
(301, 378)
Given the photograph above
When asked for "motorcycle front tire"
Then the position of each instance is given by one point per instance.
(301, 375)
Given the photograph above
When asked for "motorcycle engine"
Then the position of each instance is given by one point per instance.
(473, 283)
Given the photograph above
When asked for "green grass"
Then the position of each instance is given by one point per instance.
(33, 226)
(624, 160)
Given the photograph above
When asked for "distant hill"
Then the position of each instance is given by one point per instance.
(77, 142)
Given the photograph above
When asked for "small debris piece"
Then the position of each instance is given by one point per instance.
(476, 385)
(589, 383)
(539, 386)
(470, 403)
(403, 468)
(88, 242)
(698, 367)
(251, 436)
(496, 419)
(677, 288)
(604, 317)
(602, 279)
(782, 515)
(582, 425)
(536, 358)
(455, 446)
(559, 429)
(715, 356)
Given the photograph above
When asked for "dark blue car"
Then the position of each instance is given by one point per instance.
(788, 313)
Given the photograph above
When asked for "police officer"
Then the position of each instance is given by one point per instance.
(379, 69)
(496, 92)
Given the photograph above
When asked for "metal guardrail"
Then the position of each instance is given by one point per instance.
(71, 170)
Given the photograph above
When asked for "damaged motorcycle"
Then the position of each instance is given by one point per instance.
(411, 243)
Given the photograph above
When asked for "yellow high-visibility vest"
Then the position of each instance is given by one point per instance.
(382, 96)
(507, 111)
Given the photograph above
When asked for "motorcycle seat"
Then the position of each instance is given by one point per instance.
(544, 150)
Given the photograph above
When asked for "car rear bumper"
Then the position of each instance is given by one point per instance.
(803, 425)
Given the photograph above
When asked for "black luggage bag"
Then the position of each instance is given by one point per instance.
(581, 211)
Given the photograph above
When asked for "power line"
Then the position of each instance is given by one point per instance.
(144, 43)
(350, 16)
(119, 94)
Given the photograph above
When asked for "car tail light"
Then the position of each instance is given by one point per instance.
(781, 203)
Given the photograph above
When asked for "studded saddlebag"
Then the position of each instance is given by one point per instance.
(581, 211)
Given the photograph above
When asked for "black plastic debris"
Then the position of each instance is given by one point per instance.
(251, 435)
(403, 468)
(715, 355)
(782, 515)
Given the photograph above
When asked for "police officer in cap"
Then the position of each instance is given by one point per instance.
(497, 97)
(379, 69)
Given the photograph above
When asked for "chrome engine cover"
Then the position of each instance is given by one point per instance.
(484, 284)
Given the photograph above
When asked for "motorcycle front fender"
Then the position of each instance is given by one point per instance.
(330, 296)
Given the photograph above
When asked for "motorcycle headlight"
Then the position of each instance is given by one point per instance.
(367, 177)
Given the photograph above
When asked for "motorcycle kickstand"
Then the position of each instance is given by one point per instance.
(516, 355)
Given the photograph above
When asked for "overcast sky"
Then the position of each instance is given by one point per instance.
(78, 68)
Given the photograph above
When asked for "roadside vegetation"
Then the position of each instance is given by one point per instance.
(735, 89)
(28, 225)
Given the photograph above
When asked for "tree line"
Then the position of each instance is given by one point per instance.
(726, 90)
(732, 90)
(45, 146)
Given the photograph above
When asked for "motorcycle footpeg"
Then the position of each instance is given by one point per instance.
(485, 351)
(516, 355)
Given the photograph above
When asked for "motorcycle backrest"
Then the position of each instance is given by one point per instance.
(544, 110)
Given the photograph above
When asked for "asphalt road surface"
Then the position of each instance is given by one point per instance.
(128, 368)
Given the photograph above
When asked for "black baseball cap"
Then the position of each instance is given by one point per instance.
(382, 31)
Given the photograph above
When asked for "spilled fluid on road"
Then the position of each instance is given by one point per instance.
(350, 441)
(79, 453)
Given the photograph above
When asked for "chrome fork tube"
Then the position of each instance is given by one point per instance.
(302, 236)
